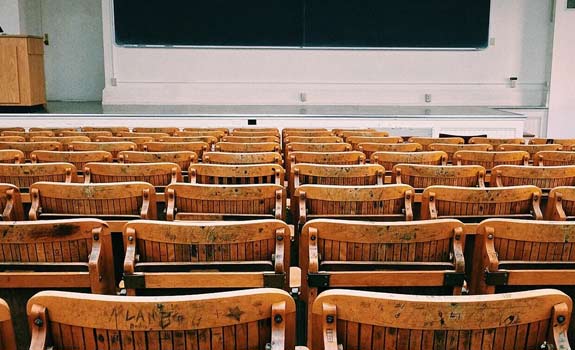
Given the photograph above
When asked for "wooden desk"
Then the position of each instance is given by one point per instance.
(22, 81)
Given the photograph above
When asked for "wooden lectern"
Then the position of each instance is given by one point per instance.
(22, 81)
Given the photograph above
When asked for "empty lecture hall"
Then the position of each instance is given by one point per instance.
(287, 174)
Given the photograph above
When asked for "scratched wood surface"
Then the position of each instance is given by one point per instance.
(7, 338)
(561, 204)
(543, 177)
(531, 149)
(450, 149)
(286, 132)
(232, 320)
(156, 174)
(317, 147)
(345, 134)
(217, 134)
(339, 131)
(476, 204)
(256, 131)
(64, 140)
(164, 130)
(27, 135)
(182, 158)
(238, 147)
(420, 176)
(139, 141)
(495, 142)
(223, 174)
(243, 158)
(312, 139)
(426, 141)
(54, 130)
(24, 175)
(370, 148)
(542, 141)
(113, 147)
(11, 156)
(28, 147)
(389, 159)
(153, 135)
(210, 140)
(93, 135)
(250, 139)
(11, 203)
(78, 158)
(366, 320)
(157, 250)
(115, 200)
(356, 140)
(488, 160)
(216, 202)
(12, 128)
(115, 130)
(12, 139)
(226, 131)
(197, 147)
(553, 158)
(334, 158)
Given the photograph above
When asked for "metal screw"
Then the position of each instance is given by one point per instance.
(130, 238)
(312, 238)
(329, 319)
(560, 319)
(278, 318)
(280, 238)
(490, 236)
(38, 322)
(96, 237)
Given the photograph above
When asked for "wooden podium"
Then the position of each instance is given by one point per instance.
(22, 81)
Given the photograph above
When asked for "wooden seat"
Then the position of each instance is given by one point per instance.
(218, 134)
(488, 160)
(305, 132)
(250, 139)
(312, 139)
(113, 147)
(255, 131)
(93, 135)
(450, 149)
(115, 130)
(409, 257)
(226, 131)
(370, 148)
(553, 158)
(11, 156)
(243, 158)
(531, 149)
(12, 128)
(218, 255)
(334, 158)
(235, 147)
(316, 147)
(250, 319)
(346, 134)
(210, 140)
(368, 320)
(377, 203)
(7, 337)
(64, 140)
(54, 130)
(568, 143)
(139, 141)
(543, 177)
(78, 158)
(24, 175)
(27, 135)
(390, 159)
(225, 202)
(475, 204)
(561, 204)
(182, 158)
(12, 139)
(115, 201)
(157, 174)
(197, 147)
(28, 147)
(356, 140)
(426, 141)
(421, 176)
(223, 174)
(11, 203)
(163, 130)
(339, 132)
(495, 142)
(154, 135)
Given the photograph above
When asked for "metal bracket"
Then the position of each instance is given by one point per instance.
(454, 279)
(318, 280)
(136, 281)
(499, 278)
(275, 280)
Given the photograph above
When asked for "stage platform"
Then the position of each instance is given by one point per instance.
(413, 120)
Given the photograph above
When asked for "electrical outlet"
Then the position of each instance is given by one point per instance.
(428, 98)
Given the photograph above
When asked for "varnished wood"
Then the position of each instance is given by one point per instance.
(226, 131)
(421, 176)
(243, 158)
(561, 204)
(153, 135)
(495, 142)
(553, 158)
(340, 131)
(218, 134)
(450, 149)
(235, 147)
(488, 160)
(7, 337)
(333, 158)
(370, 148)
(163, 130)
(222, 174)
(390, 159)
(24, 175)
(355, 140)
(305, 132)
(182, 158)
(11, 156)
(541, 141)
(218, 202)
(156, 174)
(11, 203)
(312, 139)
(113, 147)
(120, 200)
(28, 147)
(206, 251)
(12, 139)
(78, 158)
(115, 130)
(54, 130)
(64, 140)
(203, 321)
(28, 135)
(346, 134)
(93, 135)
(210, 140)
(317, 147)
(542, 177)
(476, 204)
(426, 141)
(250, 139)
(531, 149)
(139, 141)
(197, 147)
(261, 131)
(367, 320)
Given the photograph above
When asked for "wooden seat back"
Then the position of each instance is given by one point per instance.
(11, 203)
(162, 130)
(316, 147)
(225, 202)
(157, 174)
(242, 158)
(114, 201)
(12, 139)
(218, 134)
(370, 148)
(93, 135)
(182, 158)
(333, 158)
(7, 337)
(78, 158)
(154, 135)
(113, 147)
(250, 139)
(255, 131)
(340, 131)
(553, 158)
(235, 147)
(54, 130)
(390, 159)
(28, 147)
(346, 134)
(27, 135)
(12, 128)
(450, 149)
(379, 203)
(522, 320)
(139, 141)
(542, 177)
(561, 204)
(220, 255)
(421, 176)
(64, 140)
(210, 140)
(531, 149)
(426, 141)
(251, 319)
(488, 160)
(356, 140)
(11, 156)
(223, 174)
(312, 139)
(115, 130)
(197, 147)
(306, 132)
(226, 131)
(24, 175)
(495, 142)
(475, 204)
(568, 143)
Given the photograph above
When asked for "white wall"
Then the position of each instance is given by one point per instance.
(520, 29)
(562, 98)
(30, 17)
(10, 16)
